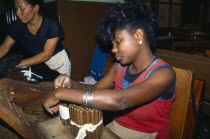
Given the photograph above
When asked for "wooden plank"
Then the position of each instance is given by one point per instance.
(191, 44)
(17, 124)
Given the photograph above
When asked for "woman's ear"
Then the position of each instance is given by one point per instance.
(139, 33)
(36, 7)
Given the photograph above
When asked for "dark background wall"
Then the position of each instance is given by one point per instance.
(79, 21)
(191, 11)
(2, 6)
(2, 20)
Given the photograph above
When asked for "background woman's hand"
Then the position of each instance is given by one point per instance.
(63, 80)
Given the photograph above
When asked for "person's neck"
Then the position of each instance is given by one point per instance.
(36, 21)
(144, 60)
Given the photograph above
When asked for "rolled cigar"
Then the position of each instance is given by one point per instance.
(78, 119)
(101, 126)
(74, 119)
(96, 122)
(71, 118)
(88, 120)
(81, 114)
(93, 123)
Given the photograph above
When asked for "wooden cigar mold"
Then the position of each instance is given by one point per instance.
(81, 115)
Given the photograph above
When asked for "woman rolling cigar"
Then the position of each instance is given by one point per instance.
(39, 36)
(140, 87)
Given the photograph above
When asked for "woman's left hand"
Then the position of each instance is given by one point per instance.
(19, 65)
(51, 103)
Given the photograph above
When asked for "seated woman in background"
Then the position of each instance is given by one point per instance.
(39, 36)
(140, 87)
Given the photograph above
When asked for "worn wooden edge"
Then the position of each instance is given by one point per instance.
(179, 115)
(17, 124)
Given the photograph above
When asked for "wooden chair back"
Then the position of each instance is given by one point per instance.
(208, 53)
(190, 124)
(180, 106)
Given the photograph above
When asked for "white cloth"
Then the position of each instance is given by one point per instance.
(86, 127)
(60, 62)
(28, 73)
(64, 112)
(89, 80)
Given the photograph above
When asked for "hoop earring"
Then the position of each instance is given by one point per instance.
(140, 42)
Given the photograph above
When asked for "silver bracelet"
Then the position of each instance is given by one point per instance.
(87, 100)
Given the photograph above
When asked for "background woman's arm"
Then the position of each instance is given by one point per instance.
(6, 46)
(49, 48)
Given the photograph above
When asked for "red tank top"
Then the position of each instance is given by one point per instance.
(151, 117)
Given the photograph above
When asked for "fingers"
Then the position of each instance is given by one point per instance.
(67, 83)
(52, 110)
(59, 81)
(18, 66)
(49, 110)
(62, 81)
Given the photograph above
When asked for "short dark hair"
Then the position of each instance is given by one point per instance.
(129, 16)
(34, 2)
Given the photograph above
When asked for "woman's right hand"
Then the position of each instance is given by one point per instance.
(63, 80)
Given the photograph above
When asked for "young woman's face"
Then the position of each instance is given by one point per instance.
(25, 12)
(125, 47)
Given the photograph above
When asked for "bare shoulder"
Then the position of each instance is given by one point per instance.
(165, 71)
(165, 76)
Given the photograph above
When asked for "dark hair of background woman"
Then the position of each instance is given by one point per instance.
(34, 2)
